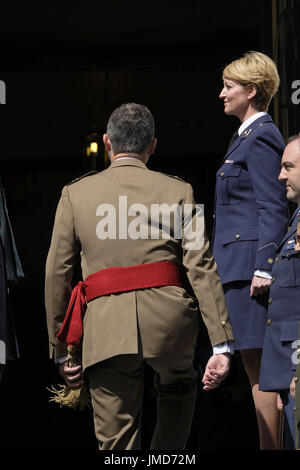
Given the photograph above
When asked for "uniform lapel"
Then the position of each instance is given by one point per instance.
(231, 148)
(258, 122)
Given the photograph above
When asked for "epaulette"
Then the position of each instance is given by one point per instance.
(93, 172)
(172, 176)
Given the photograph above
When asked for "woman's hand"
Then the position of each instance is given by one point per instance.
(293, 388)
(279, 402)
(259, 285)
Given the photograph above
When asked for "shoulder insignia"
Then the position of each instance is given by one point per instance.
(93, 172)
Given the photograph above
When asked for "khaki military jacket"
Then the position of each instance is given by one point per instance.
(156, 320)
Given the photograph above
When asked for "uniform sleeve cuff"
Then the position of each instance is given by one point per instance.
(262, 273)
(222, 348)
(60, 360)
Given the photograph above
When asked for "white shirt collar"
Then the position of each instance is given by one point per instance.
(127, 158)
(250, 120)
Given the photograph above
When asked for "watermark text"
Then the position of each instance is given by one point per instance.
(296, 94)
(2, 92)
(157, 221)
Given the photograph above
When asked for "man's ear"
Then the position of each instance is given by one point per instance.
(152, 146)
(106, 142)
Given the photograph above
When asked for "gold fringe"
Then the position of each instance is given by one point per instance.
(71, 397)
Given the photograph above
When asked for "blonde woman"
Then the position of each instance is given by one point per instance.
(251, 218)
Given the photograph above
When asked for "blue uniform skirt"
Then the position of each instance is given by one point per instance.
(248, 315)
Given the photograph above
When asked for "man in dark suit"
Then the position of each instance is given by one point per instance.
(278, 360)
(10, 271)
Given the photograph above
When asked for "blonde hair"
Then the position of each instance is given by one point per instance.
(257, 69)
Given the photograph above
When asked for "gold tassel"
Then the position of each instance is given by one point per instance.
(71, 397)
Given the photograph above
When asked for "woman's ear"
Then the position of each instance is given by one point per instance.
(252, 90)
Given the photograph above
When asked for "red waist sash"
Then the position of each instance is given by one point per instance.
(111, 281)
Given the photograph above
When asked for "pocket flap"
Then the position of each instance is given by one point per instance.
(289, 330)
(230, 170)
(236, 234)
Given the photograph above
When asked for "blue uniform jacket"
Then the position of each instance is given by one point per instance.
(279, 355)
(251, 211)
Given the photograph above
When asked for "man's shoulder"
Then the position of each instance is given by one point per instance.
(79, 178)
(160, 179)
(167, 177)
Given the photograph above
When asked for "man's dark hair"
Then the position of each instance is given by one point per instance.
(292, 138)
(130, 128)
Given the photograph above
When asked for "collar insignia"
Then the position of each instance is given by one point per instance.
(246, 133)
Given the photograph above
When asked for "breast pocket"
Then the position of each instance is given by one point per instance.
(290, 270)
(228, 184)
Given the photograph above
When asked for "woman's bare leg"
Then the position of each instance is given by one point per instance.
(268, 416)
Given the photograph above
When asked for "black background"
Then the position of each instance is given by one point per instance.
(66, 67)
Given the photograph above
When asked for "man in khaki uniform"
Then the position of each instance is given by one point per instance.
(109, 220)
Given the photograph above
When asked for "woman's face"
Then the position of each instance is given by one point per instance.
(236, 98)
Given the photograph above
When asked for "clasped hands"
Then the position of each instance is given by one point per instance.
(217, 369)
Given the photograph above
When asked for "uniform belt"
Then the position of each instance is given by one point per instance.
(112, 281)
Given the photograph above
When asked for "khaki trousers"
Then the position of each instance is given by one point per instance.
(116, 387)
